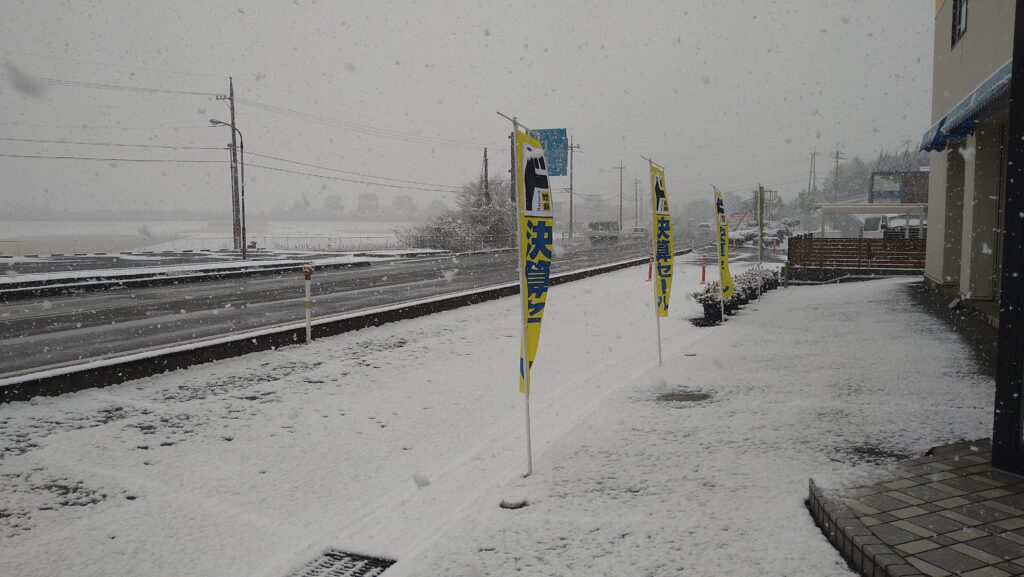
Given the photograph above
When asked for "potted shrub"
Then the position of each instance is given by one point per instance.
(744, 288)
(734, 302)
(709, 296)
(750, 285)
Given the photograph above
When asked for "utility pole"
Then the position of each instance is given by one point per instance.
(835, 182)
(621, 168)
(236, 220)
(487, 186)
(636, 201)
(572, 148)
(512, 184)
(512, 174)
(814, 173)
(810, 176)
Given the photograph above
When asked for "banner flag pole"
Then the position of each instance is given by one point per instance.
(524, 362)
(662, 246)
(535, 231)
(760, 236)
(654, 255)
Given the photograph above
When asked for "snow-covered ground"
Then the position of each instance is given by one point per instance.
(401, 441)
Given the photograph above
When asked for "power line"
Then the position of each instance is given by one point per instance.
(362, 128)
(97, 63)
(440, 187)
(443, 187)
(597, 196)
(109, 159)
(734, 175)
(307, 165)
(345, 179)
(776, 184)
(93, 127)
(114, 87)
(82, 142)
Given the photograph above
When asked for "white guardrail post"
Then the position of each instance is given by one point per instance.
(307, 271)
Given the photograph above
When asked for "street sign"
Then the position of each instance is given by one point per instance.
(556, 149)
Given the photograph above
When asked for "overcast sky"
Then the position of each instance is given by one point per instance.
(727, 92)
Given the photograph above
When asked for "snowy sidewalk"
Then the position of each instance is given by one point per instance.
(818, 381)
(401, 440)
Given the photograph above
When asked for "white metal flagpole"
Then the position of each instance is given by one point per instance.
(657, 321)
(524, 353)
(760, 238)
(308, 303)
(654, 256)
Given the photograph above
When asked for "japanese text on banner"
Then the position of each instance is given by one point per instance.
(536, 239)
(723, 246)
(664, 244)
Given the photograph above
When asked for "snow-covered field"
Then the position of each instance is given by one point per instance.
(197, 268)
(401, 441)
(59, 237)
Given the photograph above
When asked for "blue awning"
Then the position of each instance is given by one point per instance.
(933, 139)
(960, 121)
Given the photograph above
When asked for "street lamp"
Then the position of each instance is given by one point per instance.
(241, 161)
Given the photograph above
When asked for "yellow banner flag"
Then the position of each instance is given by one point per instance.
(723, 247)
(664, 244)
(536, 237)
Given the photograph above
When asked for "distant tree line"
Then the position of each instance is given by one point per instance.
(368, 206)
(854, 179)
(482, 218)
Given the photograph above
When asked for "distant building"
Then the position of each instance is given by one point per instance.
(906, 187)
(967, 184)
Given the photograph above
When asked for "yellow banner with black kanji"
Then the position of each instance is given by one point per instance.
(664, 243)
(723, 246)
(536, 238)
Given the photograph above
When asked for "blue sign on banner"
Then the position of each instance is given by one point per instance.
(556, 149)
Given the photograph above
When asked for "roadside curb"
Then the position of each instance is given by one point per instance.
(864, 552)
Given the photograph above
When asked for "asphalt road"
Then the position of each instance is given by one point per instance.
(66, 330)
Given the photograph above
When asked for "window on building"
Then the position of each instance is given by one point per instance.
(959, 20)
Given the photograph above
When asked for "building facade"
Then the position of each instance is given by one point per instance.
(968, 137)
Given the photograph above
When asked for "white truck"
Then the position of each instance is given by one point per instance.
(603, 232)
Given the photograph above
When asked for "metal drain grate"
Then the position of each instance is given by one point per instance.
(335, 563)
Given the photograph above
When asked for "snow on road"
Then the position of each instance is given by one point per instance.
(401, 440)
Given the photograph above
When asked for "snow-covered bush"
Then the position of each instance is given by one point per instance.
(747, 283)
(484, 219)
(708, 293)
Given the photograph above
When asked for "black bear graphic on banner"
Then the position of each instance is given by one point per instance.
(661, 201)
(535, 181)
